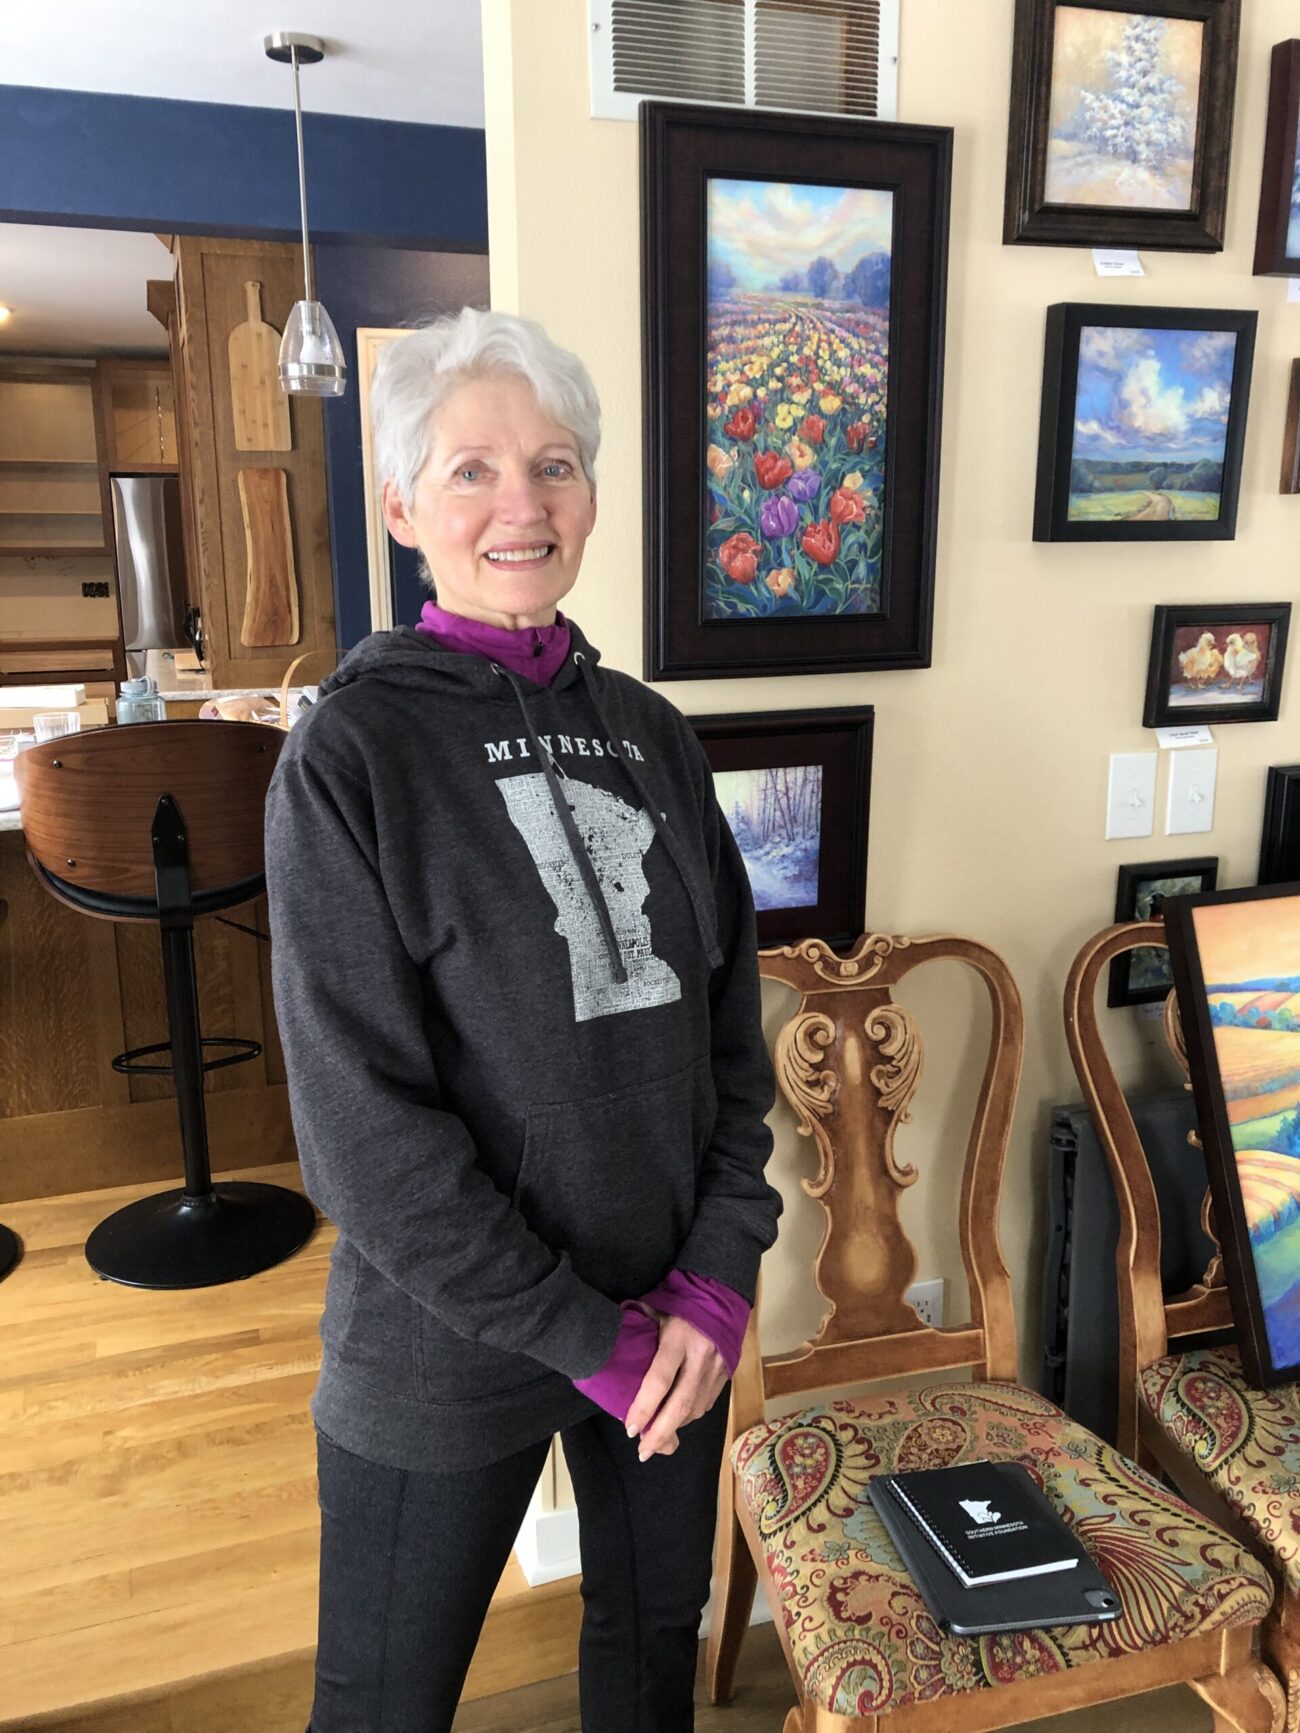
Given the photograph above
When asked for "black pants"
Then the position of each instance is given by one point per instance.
(409, 1563)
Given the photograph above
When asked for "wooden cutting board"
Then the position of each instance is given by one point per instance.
(259, 407)
(271, 593)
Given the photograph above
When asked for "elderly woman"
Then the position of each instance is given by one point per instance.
(516, 980)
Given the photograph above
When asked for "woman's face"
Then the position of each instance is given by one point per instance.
(502, 510)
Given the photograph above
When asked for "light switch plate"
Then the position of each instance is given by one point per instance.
(1192, 774)
(1131, 797)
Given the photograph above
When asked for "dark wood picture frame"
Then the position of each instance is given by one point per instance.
(1169, 620)
(1216, 1130)
(1029, 218)
(1279, 847)
(1281, 146)
(1121, 989)
(1291, 438)
(839, 741)
(1066, 322)
(682, 149)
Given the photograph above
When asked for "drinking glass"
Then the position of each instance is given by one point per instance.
(53, 724)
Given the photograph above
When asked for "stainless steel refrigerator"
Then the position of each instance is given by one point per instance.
(150, 565)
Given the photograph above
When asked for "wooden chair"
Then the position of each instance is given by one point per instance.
(862, 1649)
(1184, 1404)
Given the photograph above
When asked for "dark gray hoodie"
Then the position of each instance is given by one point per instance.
(515, 978)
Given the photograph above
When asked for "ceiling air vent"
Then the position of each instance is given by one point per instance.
(812, 56)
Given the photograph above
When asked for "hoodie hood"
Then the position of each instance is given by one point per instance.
(405, 657)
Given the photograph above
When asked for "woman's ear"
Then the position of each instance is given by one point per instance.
(397, 517)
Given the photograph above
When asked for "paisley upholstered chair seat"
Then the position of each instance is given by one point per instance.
(859, 1630)
(1246, 1442)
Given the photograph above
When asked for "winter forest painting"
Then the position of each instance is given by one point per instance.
(775, 817)
(1293, 231)
(1123, 117)
(795, 399)
(1250, 961)
(1150, 424)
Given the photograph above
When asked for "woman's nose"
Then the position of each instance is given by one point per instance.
(520, 500)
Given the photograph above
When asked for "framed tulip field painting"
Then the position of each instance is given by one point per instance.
(1236, 962)
(793, 289)
(1143, 423)
(795, 788)
(1121, 123)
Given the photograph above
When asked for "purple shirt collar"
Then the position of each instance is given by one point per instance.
(535, 652)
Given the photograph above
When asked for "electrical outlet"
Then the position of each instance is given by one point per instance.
(927, 1298)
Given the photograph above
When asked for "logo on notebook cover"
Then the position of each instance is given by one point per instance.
(978, 1510)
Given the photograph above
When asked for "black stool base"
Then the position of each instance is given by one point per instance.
(8, 1249)
(173, 1240)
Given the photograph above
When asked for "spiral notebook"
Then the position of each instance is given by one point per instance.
(1034, 1577)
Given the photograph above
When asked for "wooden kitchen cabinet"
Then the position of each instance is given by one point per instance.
(212, 301)
(139, 409)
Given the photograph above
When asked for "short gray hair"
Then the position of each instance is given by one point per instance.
(416, 373)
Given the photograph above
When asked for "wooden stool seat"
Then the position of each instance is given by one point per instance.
(163, 822)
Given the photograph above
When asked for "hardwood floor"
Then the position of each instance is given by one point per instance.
(763, 1697)
(159, 1522)
(158, 1497)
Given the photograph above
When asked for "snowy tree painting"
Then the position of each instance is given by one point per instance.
(1293, 233)
(1125, 91)
(775, 817)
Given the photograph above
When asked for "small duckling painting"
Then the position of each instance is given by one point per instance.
(1216, 665)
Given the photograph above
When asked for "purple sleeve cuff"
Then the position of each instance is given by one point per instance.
(716, 1310)
(614, 1387)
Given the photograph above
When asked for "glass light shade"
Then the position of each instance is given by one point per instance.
(311, 356)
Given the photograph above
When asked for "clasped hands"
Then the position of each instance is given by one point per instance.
(685, 1379)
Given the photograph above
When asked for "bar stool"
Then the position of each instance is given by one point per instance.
(8, 1250)
(162, 821)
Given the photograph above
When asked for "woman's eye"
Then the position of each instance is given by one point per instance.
(468, 472)
(557, 469)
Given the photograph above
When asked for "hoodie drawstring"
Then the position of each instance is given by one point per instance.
(700, 904)
(564, 812)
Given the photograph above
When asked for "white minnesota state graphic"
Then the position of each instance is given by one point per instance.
(617, 837)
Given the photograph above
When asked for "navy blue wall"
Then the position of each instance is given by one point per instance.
(389, 204)
(210, 168)
(378, 286)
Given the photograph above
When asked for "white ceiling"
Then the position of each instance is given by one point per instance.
(416, 60)
(79, 291)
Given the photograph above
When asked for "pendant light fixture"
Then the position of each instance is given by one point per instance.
(311, 356)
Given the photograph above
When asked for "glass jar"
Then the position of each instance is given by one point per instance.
(139, 701)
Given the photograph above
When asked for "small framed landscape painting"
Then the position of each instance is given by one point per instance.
(1216, 664)
(793, 286)
(795, 787)
(1291, 438)
(1277, 239)
(1143, 976)
(1279, 852)
(1236, 963)
(1143, 423)
(1121, 122)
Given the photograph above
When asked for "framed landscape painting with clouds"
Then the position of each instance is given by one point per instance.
(1143, 423)
(1236, 963)
(793, 292)
(1121, 122)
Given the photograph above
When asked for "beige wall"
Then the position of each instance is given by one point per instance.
(990, 767)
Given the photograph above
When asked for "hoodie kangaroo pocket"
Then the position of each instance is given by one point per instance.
(611, 1179)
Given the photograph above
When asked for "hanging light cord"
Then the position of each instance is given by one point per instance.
(302, 178)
